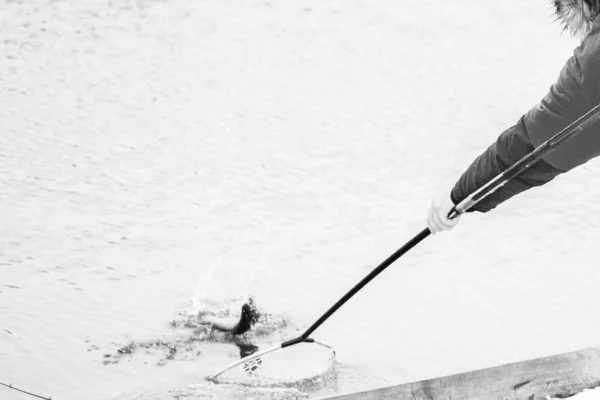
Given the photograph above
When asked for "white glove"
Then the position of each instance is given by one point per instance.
(437, 218)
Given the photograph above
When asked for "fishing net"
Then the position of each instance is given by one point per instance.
(219, 294)
(308, 366)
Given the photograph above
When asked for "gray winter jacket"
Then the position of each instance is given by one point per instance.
(575, 92)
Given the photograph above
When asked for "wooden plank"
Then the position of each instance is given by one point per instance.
(560, 376)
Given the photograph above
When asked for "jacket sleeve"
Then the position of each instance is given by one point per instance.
(575, 92)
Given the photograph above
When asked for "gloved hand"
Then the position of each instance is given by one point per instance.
(437, 218)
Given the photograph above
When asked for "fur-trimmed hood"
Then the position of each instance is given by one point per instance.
(577, 16)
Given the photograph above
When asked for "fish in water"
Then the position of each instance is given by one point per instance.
(233, 326)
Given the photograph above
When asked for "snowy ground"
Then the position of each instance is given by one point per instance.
(137, 137)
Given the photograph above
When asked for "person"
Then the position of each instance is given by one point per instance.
(575, 92)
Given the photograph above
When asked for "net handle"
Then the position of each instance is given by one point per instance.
(542, 150)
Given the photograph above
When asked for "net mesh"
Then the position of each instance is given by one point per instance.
(307, 366)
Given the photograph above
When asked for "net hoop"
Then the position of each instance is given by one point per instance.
(258, 354)
(319, 373)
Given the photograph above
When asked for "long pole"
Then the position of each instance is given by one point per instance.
(542, 150)
(389, 261)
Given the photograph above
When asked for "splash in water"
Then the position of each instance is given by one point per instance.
(196, 328)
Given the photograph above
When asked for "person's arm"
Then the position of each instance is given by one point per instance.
(576, 91)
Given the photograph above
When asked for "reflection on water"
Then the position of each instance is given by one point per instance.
(246, 349)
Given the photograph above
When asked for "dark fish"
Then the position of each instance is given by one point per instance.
(233, 326)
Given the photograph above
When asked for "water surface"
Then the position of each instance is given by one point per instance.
(286, 148)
